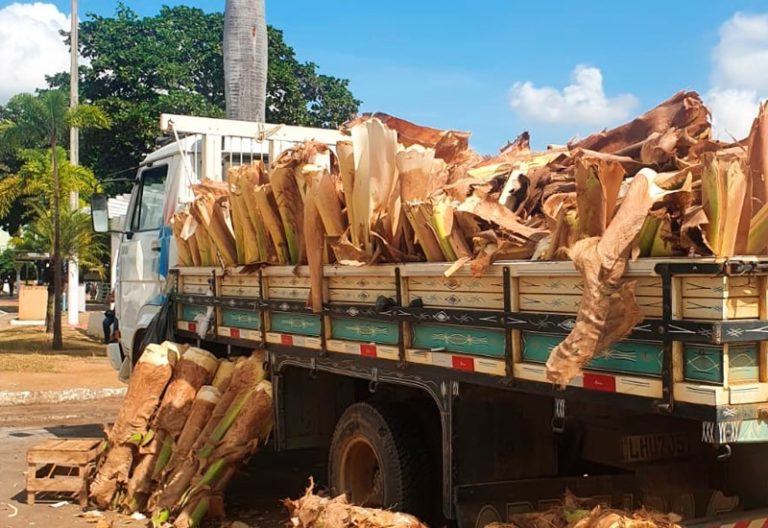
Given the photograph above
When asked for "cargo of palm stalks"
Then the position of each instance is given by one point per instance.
(188, 422)
(659, 186)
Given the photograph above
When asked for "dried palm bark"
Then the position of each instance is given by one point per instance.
(608, 309)
(724, 192)
(223, 374)
(182, 246)
(323, 192)
(148, 381)
(313, 511)
(758, 156)
(597, 191)
(758, 232)
(195, 368)
(202, 408)
(249, 233)
(449, 235)
(247, 374)
(212, 213)
(452, 146)
(249, 429)
(205, 246)
(187, 235)
(684, 111)
(314, 239)
(290, 205)
(419, 214)
(344, 151)
(264, 209)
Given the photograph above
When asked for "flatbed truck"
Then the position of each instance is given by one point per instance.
(429, 392)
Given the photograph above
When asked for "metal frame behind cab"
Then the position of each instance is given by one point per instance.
(213, 130)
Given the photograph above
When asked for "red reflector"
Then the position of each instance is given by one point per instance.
(368, 351)
(234, 332)
(463, 363)
(286, 339)
(192, 327)
(600, 382)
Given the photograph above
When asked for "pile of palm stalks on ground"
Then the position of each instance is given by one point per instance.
(577, 513)
(314, 511)
(187, 423)
(658, 186)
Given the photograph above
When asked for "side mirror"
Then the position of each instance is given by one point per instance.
(100, 213)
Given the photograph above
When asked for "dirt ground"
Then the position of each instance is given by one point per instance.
(28, 364)
(253, 497)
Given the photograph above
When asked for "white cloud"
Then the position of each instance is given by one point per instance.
(30, 46)
(583, 102)
(741, 55)
(733, 111)
(739, 75)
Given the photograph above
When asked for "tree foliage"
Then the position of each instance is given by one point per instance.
(45, 119)
(173, 62)
(32, 184)
(29, 124)
(77, 238)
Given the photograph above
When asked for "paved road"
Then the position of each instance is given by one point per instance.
(254, 496)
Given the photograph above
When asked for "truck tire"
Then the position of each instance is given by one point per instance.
(379, 461)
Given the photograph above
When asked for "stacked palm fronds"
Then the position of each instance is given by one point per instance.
(188, 422)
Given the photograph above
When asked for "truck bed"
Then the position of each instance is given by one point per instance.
(700, 352)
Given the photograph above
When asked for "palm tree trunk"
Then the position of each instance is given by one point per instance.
(57, 271)
(245, 59)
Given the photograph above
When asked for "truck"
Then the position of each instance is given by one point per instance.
(429, 393)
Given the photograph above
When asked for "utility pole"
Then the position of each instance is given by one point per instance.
(73, 282)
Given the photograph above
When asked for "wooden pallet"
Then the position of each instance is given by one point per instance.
(61, 466)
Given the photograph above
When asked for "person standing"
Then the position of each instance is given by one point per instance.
(110, 320)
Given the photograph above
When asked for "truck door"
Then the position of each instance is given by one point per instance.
(139, 281)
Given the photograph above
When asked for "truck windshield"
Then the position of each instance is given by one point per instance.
(148, 210)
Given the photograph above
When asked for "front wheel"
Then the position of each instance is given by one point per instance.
(378, 461)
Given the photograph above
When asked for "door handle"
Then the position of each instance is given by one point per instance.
(155, 245)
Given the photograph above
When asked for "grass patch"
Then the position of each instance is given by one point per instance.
(29, 340)
(31, 362)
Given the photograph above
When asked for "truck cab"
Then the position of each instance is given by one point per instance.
(195, 147)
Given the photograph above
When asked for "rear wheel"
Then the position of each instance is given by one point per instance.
(377, 460)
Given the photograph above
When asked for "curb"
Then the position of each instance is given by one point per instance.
(57, 396)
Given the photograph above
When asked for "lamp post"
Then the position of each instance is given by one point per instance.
(73, 282)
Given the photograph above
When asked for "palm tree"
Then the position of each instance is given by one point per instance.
(245, 59)
(34, 181)
(45, 118)
(77, 238)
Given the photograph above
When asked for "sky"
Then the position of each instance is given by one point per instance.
(558, 69)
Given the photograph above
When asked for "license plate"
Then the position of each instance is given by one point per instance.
(656, 446)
